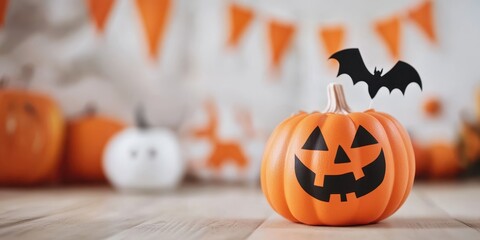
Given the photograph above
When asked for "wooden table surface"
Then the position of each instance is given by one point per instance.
(433, 211)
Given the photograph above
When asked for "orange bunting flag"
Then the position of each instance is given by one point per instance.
(423, 17)
(3, 11)
(99, 11)
(332, 38)
(240, 17)
(389, 31)
(154, 15)
(280, 36)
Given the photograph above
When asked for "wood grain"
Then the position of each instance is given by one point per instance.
(433, 211)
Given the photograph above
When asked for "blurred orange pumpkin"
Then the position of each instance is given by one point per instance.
(31, 137)
(470, 142)
(444, 160)
(87, 137)
(477, 105)
(422, 159)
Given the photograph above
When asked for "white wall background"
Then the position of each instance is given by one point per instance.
(77, 66)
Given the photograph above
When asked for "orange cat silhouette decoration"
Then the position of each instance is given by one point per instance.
(223, 151)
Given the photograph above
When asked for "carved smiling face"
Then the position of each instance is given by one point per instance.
(350, 175)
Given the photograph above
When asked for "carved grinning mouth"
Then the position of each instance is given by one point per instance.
(342, 184)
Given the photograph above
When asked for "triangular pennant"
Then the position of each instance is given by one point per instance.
(332, 38)
(240, 17)
(99, 11)
(154, 15)
(390, 32)
(280, 36)
(423, 17)
(3, 11)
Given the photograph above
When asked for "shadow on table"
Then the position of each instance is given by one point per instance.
(425, 223)
(394, 223)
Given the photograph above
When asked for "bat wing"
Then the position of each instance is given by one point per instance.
(351, 63)
(400, 76)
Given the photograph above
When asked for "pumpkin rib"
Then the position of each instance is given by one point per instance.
(264, 173)
(277, 195)
(410, 154)
(357, 154)
(386, 147)
(317, 165)
(353, 215)
(410, 159)
(398, 192)
(294, 207)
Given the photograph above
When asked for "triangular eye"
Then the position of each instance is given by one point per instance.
(363, 138)
(316, 141)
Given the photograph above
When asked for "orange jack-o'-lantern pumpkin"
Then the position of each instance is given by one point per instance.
(31, 137)
(338, 167)
(87, 137)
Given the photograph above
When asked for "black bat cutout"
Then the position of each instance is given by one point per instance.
(399, 77)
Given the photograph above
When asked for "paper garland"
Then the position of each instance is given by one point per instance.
(240, 18)
(154, 15)
(99, 11)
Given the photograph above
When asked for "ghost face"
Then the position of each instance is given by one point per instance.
(144, 159)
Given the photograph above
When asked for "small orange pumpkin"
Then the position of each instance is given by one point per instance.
(87, 137)
(31, 137)
(444, 160)
(469, 146)
(338, 167)
(477, 105)
(422, 160)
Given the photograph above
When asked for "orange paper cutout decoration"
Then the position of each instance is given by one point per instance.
(154, 15)
(244, 118)
(222, 151)
(280, 36)
(3, 11)
(423, 17)
(332, 38)
(240, 17)
(389, 31)
(99, 11)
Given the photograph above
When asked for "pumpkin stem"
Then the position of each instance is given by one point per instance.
(90, 109)
(336, 100)
(26, 74)
(140, 118)
(3, 82)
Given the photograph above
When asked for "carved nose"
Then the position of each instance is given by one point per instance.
(341, 156)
